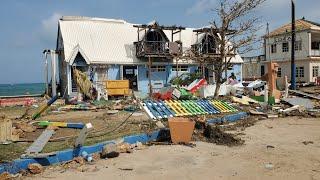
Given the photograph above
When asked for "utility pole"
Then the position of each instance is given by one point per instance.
(293, 40)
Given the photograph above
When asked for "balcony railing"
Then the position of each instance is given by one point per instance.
(315, 52)
(157, 48)
(201, 49)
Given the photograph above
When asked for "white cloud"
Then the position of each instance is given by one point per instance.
(201, 6)
(49, 26)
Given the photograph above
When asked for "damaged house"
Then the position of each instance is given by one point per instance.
(109, 49)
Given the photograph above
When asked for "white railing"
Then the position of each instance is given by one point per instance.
(315, 52)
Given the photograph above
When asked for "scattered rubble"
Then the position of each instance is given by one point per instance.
(109, 151)
(215, 135)
(5, 176)
(35, 168)
(25, 127)
(191, 100)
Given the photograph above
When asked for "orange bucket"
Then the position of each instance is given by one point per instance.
(181, 129)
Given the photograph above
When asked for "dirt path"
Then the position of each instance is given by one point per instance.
(289, 159)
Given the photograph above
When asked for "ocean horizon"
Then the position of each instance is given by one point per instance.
(16, 89)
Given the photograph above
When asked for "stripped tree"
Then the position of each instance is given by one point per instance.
(234, 29)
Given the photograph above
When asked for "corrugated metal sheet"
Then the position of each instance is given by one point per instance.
(101, 41)
(108, 41)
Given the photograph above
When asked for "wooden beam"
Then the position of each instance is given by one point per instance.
(160, 27)
(176, 32)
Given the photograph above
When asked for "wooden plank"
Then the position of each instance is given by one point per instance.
(40, 142)
(305, 94)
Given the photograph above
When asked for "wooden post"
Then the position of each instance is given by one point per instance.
(53, 73)
(149, 76)
(46, 73)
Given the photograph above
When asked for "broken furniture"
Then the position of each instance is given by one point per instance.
(117, 87)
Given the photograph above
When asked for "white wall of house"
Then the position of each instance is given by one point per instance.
(279, 55)
(305, 55)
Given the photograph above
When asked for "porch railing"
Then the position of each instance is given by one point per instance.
(154, 48)
(202, 48)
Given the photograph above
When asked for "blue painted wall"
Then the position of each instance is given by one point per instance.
(114, 72)
(164, 76)
(173, 74)
(143, 80)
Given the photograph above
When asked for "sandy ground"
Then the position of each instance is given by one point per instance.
(289, 159)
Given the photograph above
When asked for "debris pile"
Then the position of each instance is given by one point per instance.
(215, 135)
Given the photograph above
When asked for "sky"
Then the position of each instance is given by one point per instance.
(29, 27)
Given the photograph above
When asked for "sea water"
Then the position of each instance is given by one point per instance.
(22, 89)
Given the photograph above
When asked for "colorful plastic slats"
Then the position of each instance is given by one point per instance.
(208, 106)
(177, 107)
(195, 107)
(153, 110)
(171, 108)
(231, 108)
(223, 106)
(219, 106)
